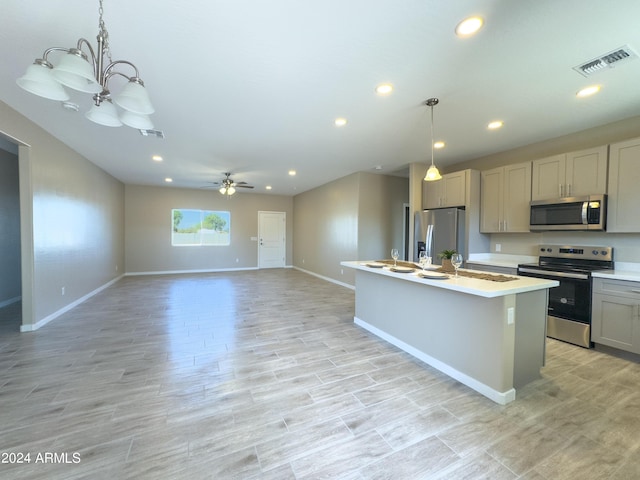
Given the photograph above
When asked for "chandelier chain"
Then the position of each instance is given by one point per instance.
(105, 34)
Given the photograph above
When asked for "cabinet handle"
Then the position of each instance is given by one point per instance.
(560, 189)
(505, 225)
(568, 190)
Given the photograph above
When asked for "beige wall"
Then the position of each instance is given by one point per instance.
(73, 213)
(10, 285)
(357, 217)
(380, 215)
(626, 246)
(148, 225)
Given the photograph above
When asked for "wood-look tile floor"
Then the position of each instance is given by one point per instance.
(263, 375)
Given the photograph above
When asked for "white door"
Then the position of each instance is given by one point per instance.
(271, 239)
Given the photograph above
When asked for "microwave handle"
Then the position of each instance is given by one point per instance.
(585, 208)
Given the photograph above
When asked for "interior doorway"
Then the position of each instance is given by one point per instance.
(271, 239)
(10, 238)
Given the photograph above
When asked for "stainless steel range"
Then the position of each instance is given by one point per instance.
(569, 315)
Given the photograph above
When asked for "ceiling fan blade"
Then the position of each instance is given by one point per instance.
(244, 186)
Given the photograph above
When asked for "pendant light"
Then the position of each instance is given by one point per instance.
(433, 173)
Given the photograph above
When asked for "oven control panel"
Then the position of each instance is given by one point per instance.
(577, 252)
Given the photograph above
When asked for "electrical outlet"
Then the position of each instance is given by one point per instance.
(237, 260)
(116, 268)
(498, 247)
(511, 313)
(342, 271)
(62, 292)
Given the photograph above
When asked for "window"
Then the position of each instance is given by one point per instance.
(200, 227)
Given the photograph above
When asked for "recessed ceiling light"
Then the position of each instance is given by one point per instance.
(587, 91)
(340, 122)
(268, 187)
(384, 89)
(469, 26)
(156, 158)
(438, 144)
(378, 167)
(292, 173)
(168, 179)
(495, 125)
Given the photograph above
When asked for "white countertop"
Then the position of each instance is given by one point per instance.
(472, 286)
(501, 259)
(622, 271)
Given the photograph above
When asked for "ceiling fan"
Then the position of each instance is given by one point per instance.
(228, 186)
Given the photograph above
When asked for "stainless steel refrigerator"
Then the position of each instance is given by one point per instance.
(438, 230)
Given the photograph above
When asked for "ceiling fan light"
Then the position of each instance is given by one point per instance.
(135, 98)
(432, 174)
(231, 190)
(136, 120)
(39, 81)
(104, 114)
(76, 72)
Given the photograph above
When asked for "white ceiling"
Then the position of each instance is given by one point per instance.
(253, 87)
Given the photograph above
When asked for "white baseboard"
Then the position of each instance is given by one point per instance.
(501, 398)
(30, 327)
(328, 279)
(4, 303)
(178, 272)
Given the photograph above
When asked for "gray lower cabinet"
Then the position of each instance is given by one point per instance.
(616, 314)
(491, 268)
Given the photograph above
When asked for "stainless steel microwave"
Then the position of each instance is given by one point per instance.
(570, 213)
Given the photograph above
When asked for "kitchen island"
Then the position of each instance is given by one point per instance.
(488, 335)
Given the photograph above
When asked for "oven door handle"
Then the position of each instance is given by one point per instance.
(579, 276)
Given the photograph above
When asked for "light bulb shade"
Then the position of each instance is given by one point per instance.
(134, 98)
(231, 191)
(432, 174)
(223, 190)
(135, 120)
(76, 72)
(104, 114)
(38, 79)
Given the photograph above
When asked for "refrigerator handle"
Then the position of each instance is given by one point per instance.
(429, 241)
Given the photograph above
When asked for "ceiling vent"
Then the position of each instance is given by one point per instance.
(608, 60)
(151, 133)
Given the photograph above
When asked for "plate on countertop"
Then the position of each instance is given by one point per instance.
(433, 275)
(399, 269)
(375, 264)
(428, 267)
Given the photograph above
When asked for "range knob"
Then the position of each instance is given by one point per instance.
(604, 252)
(595, 252)
(542, 249)
(549, 250)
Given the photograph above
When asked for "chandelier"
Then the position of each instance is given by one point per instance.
(432, 173)
(84, 69)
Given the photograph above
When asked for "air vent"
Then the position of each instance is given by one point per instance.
(152, 133)
(608, 60)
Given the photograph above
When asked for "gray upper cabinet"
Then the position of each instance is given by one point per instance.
(624, 187)
(505, 193)
(570, 174)
(450, 191)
